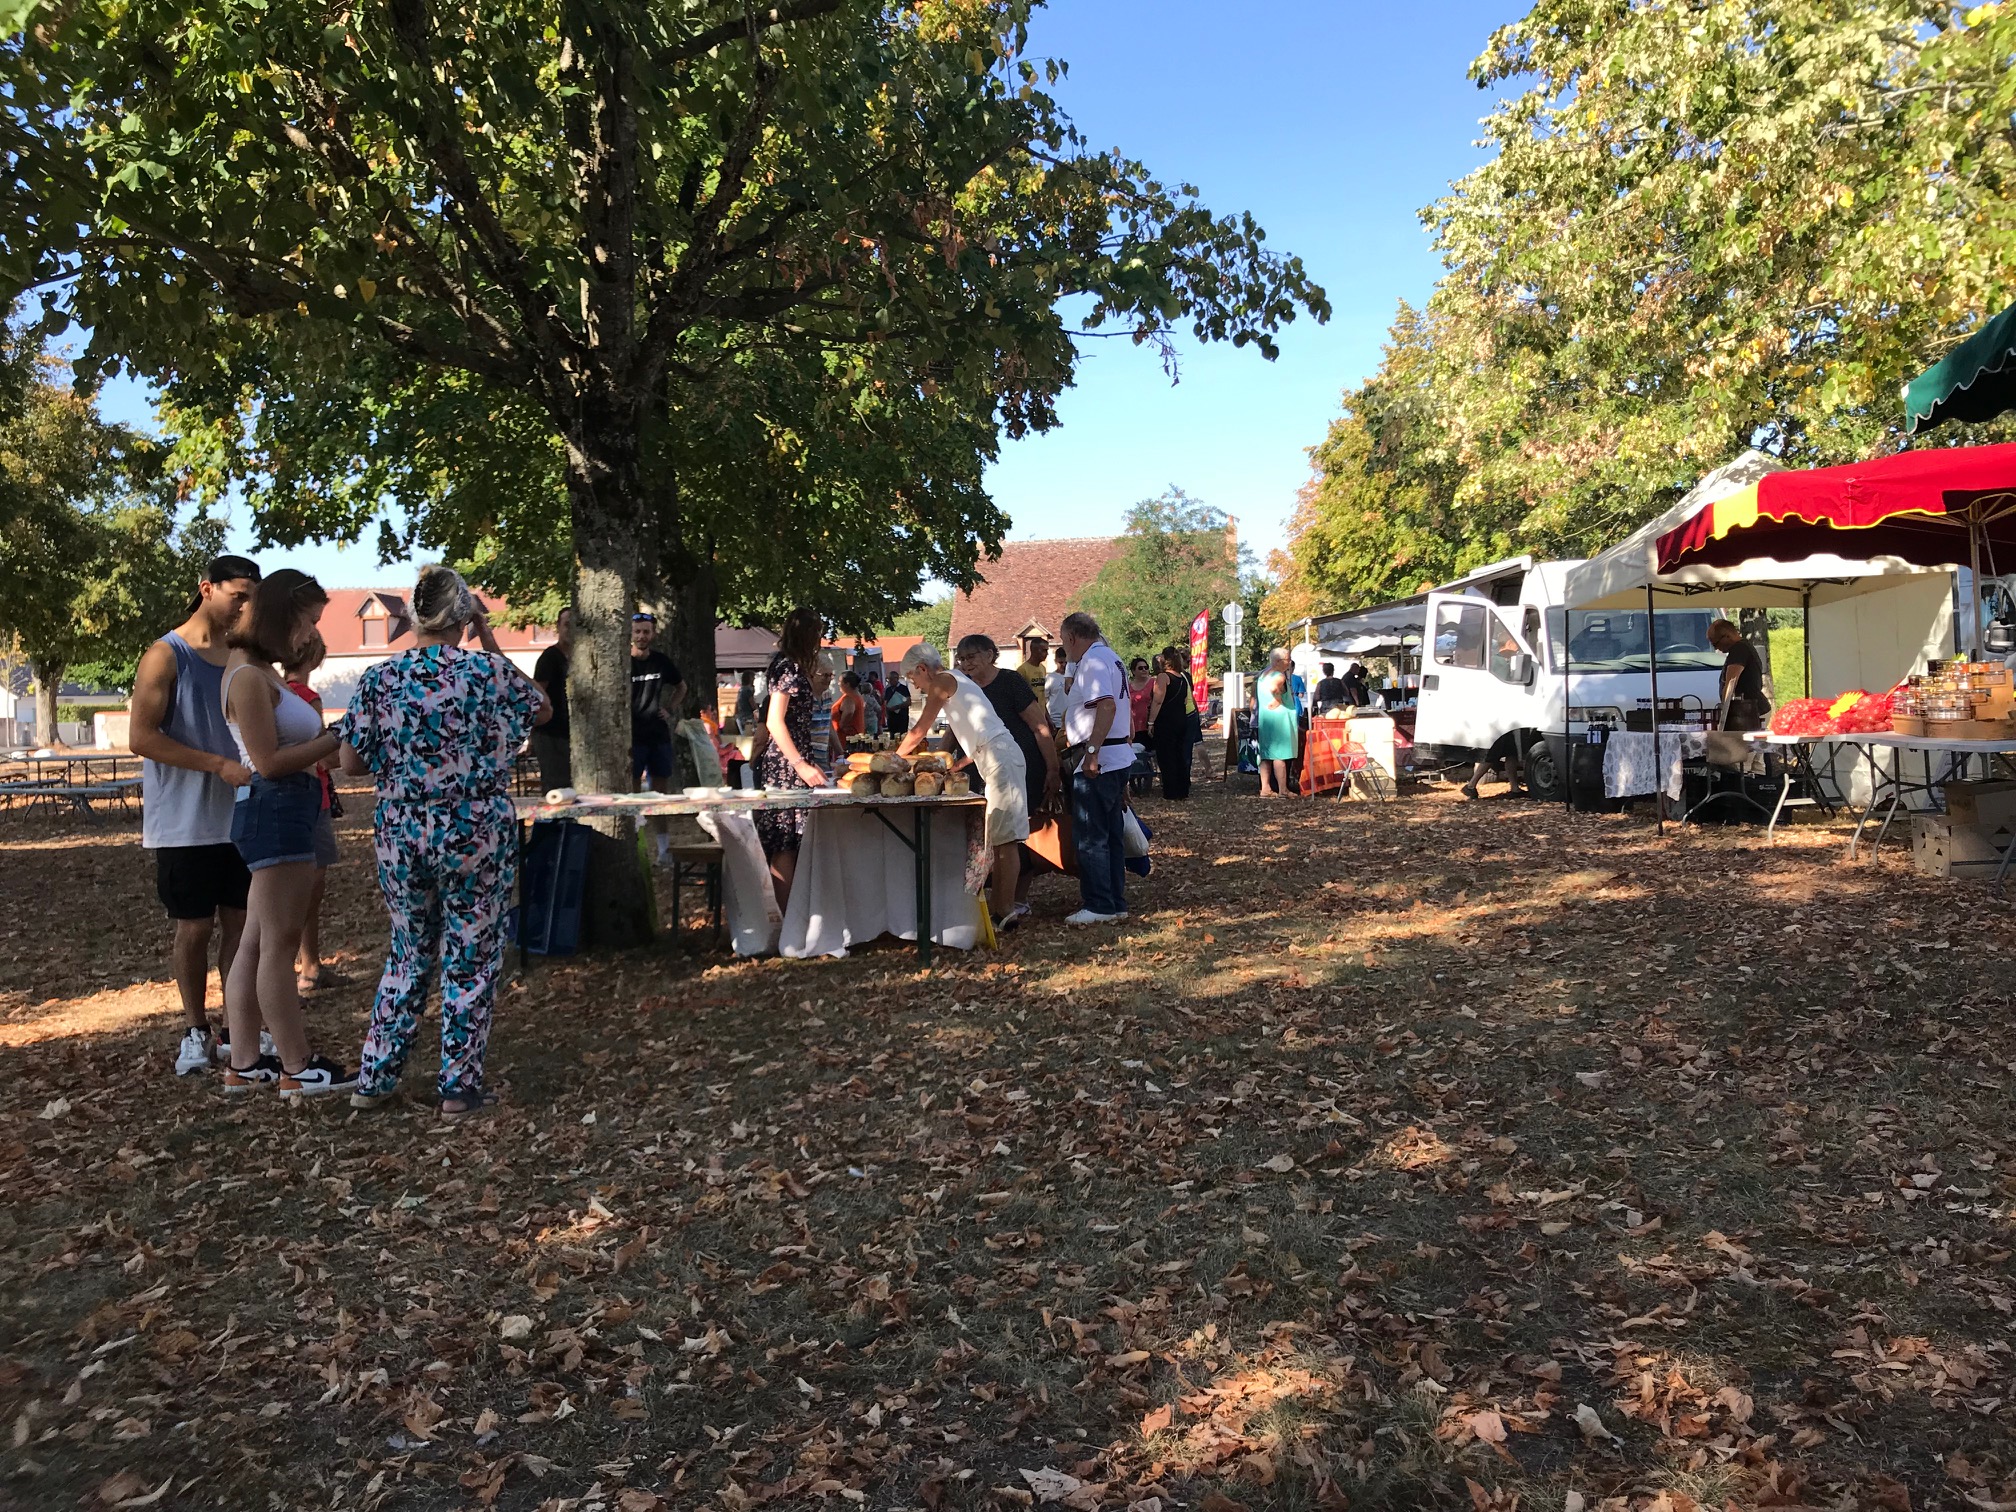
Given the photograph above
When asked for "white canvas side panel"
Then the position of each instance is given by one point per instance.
(1875, 640)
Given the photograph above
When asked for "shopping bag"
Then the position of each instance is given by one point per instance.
(1050, 841)
(1133, 835)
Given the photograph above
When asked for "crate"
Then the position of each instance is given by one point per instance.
(1960, 852)
(555, 881)
(1982, 805)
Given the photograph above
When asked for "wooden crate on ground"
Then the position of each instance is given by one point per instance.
(1942, 847)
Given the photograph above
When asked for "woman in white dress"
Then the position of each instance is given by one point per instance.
(992, 750)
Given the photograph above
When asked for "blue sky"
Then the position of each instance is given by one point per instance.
(1333, 122)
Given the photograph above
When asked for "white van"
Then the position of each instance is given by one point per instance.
(1493, 681)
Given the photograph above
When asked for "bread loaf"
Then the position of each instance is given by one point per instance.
(958, 785)
(929, 785)
(864, 785)
(896, 787)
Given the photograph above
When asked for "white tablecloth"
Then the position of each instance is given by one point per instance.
(1627, 761)
(749, 902)
(856, 881)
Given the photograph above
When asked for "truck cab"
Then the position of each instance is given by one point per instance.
(1495, 681)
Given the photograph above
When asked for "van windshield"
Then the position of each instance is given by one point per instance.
(1605, 640)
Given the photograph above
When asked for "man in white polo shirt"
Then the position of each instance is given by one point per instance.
(1096, 718)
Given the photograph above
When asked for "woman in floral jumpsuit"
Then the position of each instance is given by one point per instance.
(438, 727)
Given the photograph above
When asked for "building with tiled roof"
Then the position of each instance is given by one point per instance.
(363, 626)
(1029, 590)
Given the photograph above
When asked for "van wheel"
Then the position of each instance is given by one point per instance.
(1543, 772)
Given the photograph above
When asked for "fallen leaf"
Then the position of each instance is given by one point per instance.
(1157, 1421)
(517, 1326)
(1282, 1163)
(1051, 1485)
(1591, 1423)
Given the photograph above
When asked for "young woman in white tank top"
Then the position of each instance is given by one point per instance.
(281, 738)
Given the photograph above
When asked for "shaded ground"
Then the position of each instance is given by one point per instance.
(1441, 1154)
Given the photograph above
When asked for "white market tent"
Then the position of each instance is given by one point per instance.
(1869, 622)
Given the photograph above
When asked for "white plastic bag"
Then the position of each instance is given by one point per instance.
(1135, 840)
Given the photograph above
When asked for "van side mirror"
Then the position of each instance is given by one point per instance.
(1520, 670)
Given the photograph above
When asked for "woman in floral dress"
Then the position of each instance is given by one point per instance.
(438, 727)
(786, 760)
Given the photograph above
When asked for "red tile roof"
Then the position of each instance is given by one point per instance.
(1031, 587)
(342, 623)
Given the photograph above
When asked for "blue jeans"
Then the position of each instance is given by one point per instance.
(1097, 804)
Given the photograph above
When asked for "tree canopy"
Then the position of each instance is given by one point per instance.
(1702, 228)
(586, 213)
(92, 566)
(1179, 557)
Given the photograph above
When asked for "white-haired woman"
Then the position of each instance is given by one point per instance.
(1279, 731)
(438, 726)
(992, 750)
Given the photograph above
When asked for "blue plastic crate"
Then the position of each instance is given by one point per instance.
(550, 892)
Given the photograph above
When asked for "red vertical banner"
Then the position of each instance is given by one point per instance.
(1200, 655)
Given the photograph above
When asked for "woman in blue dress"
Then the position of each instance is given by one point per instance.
(1279, 729)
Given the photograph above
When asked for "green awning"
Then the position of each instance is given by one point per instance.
(1973, 382)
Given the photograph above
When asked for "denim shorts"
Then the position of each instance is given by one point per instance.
(324, 838)
(274, 822)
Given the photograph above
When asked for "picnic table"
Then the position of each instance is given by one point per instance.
(80, 778)
(844, 891)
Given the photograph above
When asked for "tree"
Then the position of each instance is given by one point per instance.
(932, 621)
(1702, 227)
(568, 201)
(91, 565)
(799, 480)
(1379, 517)
(1178, 557)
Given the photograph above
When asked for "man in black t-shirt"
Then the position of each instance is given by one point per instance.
(1742, 678)
(550, 740)
(656, 691)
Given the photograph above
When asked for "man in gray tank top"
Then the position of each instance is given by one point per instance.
(191, 774)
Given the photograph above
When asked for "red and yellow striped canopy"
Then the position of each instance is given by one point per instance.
(1918, 506)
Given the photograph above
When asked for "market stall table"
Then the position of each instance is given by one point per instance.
(1892, 789)
(1628, 766)
(847, 889)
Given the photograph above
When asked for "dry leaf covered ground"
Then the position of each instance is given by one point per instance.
(1437, 1155)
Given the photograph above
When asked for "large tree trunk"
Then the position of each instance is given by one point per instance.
(48, 683)
(695, 611)
(602, 491)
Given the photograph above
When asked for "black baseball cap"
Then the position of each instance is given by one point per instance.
(226, 569)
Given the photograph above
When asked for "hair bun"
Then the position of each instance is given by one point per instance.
(441, 600)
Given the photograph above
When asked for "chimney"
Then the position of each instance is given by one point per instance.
(1232, 537)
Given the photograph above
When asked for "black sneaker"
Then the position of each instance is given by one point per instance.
(263, 1072)
(318, 1078)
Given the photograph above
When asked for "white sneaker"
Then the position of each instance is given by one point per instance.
(222, 1049)
(318, 1078)
(1087, 916)
(197, 1052)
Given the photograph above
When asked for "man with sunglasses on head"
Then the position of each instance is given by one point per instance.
(190, 776)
